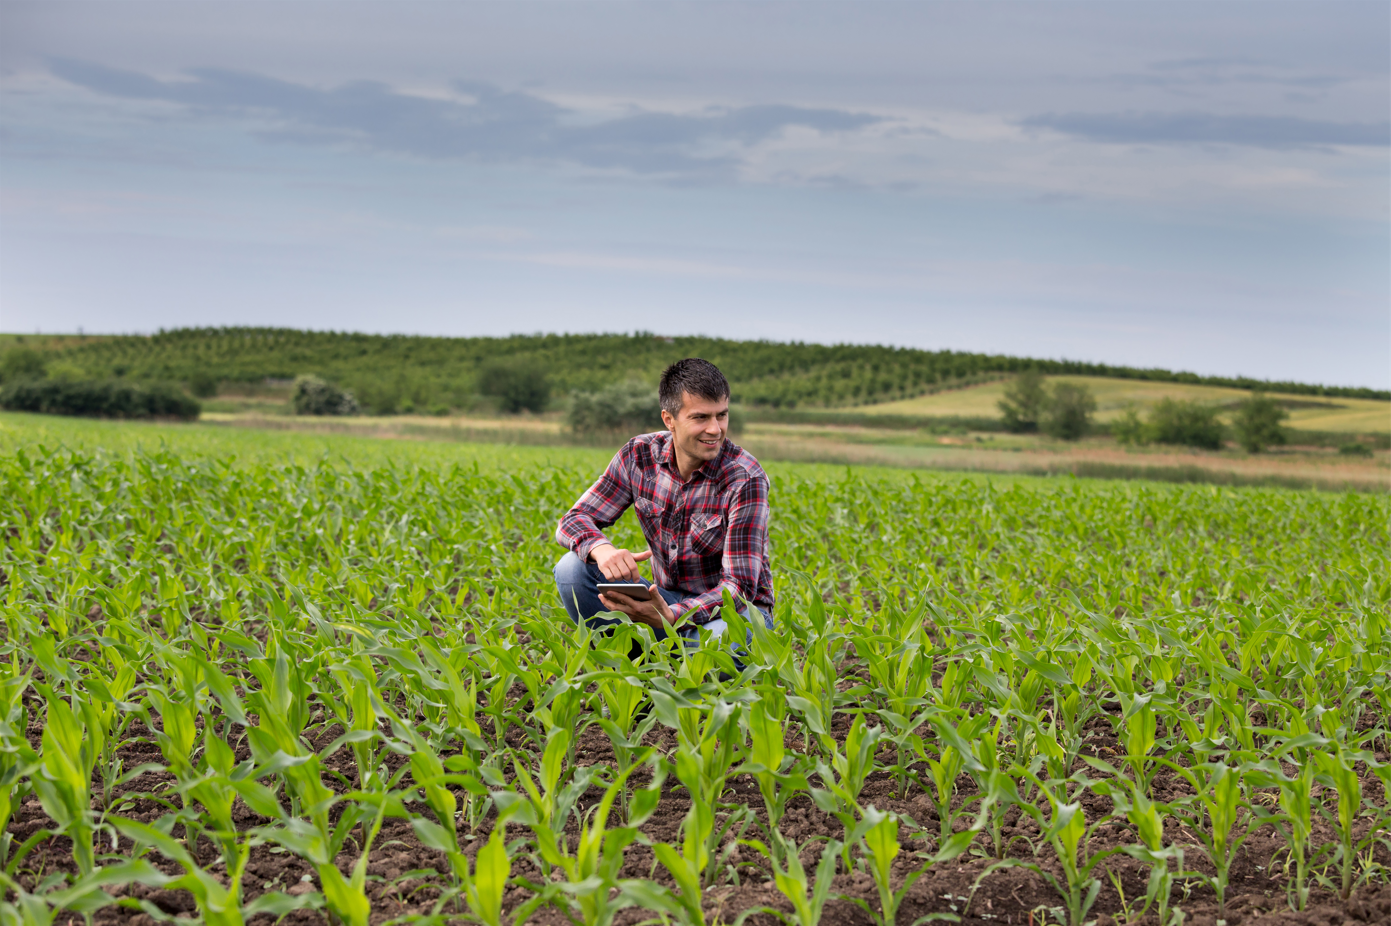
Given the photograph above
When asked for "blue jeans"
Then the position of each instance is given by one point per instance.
(577, 581)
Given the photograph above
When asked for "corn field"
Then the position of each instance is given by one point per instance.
(240, 690)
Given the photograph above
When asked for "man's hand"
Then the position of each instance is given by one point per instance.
(655, 613)
(618, 565)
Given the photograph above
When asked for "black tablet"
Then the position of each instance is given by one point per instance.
(634, 590)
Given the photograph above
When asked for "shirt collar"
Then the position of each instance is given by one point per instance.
(667, 457)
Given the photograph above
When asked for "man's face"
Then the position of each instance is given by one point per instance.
(698, 430)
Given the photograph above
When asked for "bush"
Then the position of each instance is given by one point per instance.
(1129, 429)
(518, 384)
(1257, 423)
(1189, 424)
(99, 399)
(621, 410)
(1067, 413)
(1355, 449)
(21, 363)
(68, 372)
(314, 396)
(203, 384)
(1023, 403)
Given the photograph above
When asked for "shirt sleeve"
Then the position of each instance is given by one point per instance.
(745, 539)
(581, 528)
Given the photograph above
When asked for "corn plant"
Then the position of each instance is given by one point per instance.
(219, 904)
(548, 799)
(72, 741)
(1221, 816)
(1336, 772)
(878, 834)
(709, 745)
(808, 896)
(844, 777)
(1147, 816)
(777, 773)
(591, 884)
(1065, 830)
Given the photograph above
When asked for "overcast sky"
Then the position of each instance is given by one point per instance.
(1193, 186)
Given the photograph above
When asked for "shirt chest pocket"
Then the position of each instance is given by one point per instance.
(649, 513)
(707, 534)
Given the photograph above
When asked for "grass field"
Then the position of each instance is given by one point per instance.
(253, 675)
(921, 448)
(1113, 396)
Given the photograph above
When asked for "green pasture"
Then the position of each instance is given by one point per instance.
(263, 662)
(1114, 396)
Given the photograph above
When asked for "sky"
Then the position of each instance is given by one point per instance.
(1192, 186)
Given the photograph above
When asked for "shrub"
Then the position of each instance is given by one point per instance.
(1129, 429)
(1067, 414)
(517, 383)
(1190, 424)
(203, 384)
(1355, 449)
(68, 372)
(99, 399)
(1257, 423)
(623, 409)
(314, 396)
(21, 363)
(1023, 403)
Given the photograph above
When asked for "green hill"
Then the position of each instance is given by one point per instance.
(392, 372)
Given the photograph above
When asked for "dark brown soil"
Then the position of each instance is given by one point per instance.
(406, 877)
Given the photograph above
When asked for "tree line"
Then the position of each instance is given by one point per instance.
(388, 374)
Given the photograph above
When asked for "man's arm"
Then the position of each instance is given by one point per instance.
(581, 528)
(745, 539)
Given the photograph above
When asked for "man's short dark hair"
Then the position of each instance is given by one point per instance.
(699, 378)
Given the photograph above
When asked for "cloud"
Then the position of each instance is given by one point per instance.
(1206, 128)
(484, 122)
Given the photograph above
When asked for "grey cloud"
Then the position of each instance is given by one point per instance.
(493, 124)
(1205, 128)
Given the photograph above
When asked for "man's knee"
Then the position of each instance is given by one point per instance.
(571, 570)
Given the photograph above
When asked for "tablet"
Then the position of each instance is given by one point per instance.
(634, 590)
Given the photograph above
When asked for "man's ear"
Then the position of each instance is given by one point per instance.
(669, 420)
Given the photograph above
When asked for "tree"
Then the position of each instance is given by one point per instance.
(1023, 403)
(517, 383)
(1129, 429)
(622, 410)
(203, 384)
(1257, 423)
(1067, 413)
(314, 396)
(19, 364)
(1190, 424)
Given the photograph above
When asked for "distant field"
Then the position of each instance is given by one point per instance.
(1314, 413)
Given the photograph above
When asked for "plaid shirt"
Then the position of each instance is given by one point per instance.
(707, 534)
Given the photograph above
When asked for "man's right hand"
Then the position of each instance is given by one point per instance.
(618, 565)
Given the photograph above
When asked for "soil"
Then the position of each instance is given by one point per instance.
(406, 878)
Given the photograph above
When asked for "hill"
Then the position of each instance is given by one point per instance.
(1114, 396)
(389, 373)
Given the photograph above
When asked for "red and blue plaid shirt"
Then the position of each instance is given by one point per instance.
(706, 534)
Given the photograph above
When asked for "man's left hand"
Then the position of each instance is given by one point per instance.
(654, 613)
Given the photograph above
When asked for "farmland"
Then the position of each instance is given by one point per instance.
(1114, 396)
(253, 675)
(396, 373)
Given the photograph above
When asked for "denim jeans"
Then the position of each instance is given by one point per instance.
(577, 581)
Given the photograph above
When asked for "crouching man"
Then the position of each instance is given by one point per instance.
(702, 503)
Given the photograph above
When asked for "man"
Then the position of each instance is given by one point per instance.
(702, 503)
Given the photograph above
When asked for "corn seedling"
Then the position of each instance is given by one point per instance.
(808, 896)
